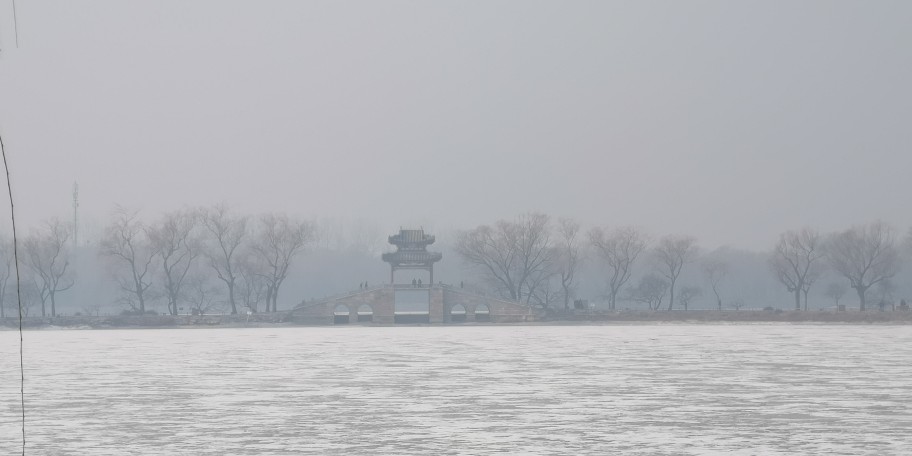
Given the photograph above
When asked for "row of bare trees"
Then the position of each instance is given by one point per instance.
(535, 260)
(518, 258)
(621, 248)
(46, 268)
(203, 258)
(864, 255)
(199, 259)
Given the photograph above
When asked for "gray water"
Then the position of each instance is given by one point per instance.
(647, 389)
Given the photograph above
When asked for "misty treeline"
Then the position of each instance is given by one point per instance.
(197, 260)
(215, 260)
(537, 260)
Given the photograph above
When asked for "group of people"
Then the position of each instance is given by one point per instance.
(362, 286)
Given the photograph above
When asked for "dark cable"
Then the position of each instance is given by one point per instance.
(9, 188)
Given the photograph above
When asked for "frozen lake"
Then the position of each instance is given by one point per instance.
(637, 389)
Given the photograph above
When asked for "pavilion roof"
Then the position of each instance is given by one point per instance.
(411, 237)
(412, 257)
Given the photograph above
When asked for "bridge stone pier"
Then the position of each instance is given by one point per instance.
(377, 305)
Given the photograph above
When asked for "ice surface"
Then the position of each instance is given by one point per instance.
(647, 389)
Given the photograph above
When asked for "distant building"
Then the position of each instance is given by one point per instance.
(411, 253)
(441, 303)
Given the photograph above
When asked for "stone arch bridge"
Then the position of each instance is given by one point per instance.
(377, 305)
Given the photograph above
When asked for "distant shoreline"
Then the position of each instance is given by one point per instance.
(277, 319)
(284, 319)
(740, 316)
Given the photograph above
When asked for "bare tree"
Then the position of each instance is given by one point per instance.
(672, 253)
(836, 291)
(277, 243)
(715, 271)
(201, 295)
(7, 268)
(127, 244)
(865, 255)
(30, 294)
(535, 251)
(650, 290)
(543, 292)
(809, 281)
(569, 258)
(177, 248)
(253, 284)
(514, 256)
(689, 293)
(795, 261)
(492, 250)
(620, 250)
(48, 255)
(227, 234)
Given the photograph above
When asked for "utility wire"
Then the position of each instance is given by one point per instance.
(9, 188)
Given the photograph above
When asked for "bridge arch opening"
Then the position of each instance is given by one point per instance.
(458, 313)
(482, 313)
(341, 314)
(365, 313)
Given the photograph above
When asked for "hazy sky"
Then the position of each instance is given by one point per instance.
(731, 121)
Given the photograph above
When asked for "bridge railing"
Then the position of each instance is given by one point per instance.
(347, 294)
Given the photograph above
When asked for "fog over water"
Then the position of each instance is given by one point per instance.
(646, 389)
